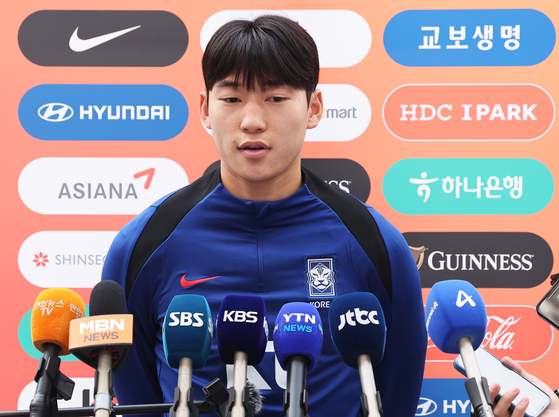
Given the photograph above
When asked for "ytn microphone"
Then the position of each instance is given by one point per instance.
(187, 341)
(297, 342)
(52, 312)
(456, 321)
(359, 332)
(242, 335)
(103, 340)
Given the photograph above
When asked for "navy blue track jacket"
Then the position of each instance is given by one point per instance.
(312, 246)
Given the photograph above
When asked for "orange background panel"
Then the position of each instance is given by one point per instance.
(376, 150)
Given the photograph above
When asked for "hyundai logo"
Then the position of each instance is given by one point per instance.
(426, 407)
(55, 112)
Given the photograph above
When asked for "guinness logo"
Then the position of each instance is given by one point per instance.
(418, 255)
(485, 259)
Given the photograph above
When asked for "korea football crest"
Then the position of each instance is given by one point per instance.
(321, 281)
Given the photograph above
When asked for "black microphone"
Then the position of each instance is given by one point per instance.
(103, 340)
(297, 343)
(359, 332)
(52, 313)
(242, 335)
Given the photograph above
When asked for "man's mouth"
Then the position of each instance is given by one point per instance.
(254, 149)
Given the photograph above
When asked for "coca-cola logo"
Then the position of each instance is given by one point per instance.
(500, 333)
(511, 331)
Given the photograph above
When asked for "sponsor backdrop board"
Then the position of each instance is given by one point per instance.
(440, 115)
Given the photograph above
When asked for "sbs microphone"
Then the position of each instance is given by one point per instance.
(359, 332)
(103, 340)
(297, 342)
(51, 315)
(456, 320)
(242, 335)
(187, 340)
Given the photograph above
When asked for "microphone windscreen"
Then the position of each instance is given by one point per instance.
(255, 399)
(358, 327)
(107, 297)
(242, 326)
(455, 309)
(188, 330)
(52, 312)
(298, 331)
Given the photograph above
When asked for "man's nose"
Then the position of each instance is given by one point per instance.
(254, 118)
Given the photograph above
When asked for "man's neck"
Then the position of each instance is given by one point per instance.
(273, 189)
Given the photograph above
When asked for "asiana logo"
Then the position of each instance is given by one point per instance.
(320, 278)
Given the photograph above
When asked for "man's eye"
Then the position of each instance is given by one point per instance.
(231, 99)
(277, 99)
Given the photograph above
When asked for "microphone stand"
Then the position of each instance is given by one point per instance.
(370, 398)
(239, 407)
(297, 369)
(217, 398)
(51, 384)
(476, 386)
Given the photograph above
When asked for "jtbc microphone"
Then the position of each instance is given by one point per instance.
(456, 321)
(103, 340)
(359, 332)
(187, 340)
(242, 335)
(52, 312)
(297, 343)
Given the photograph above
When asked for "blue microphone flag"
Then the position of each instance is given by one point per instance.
(358, 327)
(242, 326)
(188, 330)
(298, 331)
(455, 309)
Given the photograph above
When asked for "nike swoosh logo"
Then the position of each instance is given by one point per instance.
(81, 45)
(186, 284)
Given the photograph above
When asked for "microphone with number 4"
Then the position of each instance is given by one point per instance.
(242, 335)
(187, 341)
(51, 315)
(297, 342)
(359, 332)
(103, 340)
(456, 321)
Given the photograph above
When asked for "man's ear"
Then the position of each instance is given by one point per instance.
(204, 109)
(315, 109)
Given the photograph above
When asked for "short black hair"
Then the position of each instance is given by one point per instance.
(269, 50)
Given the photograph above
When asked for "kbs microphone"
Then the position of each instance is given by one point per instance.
(456, 321)
(52, 312)
(297, 343)
(242, 335)
(103, 340)
(359, 332)
(187, 340)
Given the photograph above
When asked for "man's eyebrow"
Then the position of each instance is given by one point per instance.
(227, 84)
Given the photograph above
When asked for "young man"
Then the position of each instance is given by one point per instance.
(258, 225)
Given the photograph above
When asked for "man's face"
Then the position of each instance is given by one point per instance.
(259, 134)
